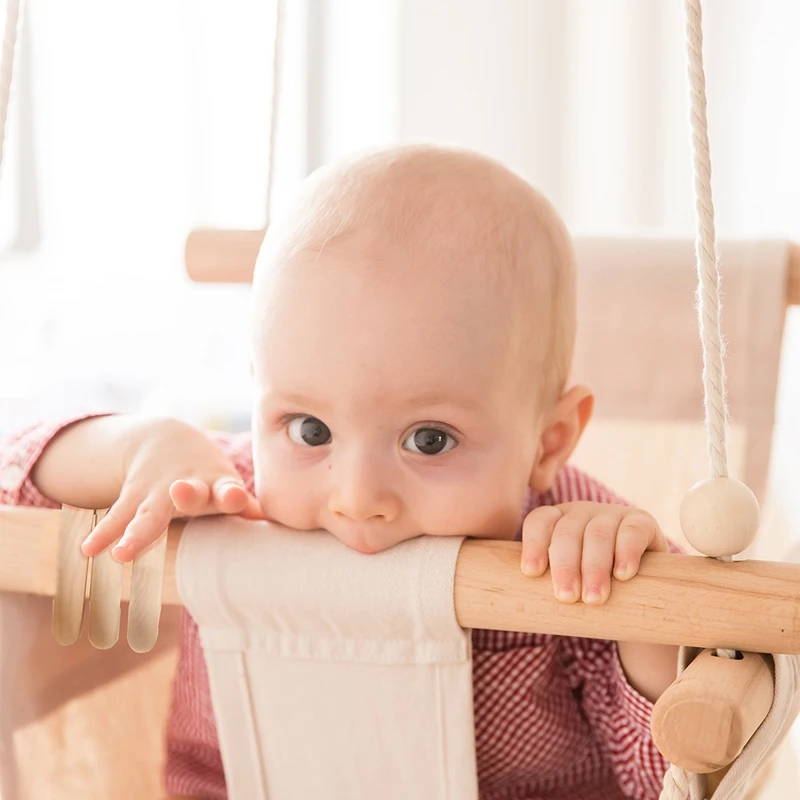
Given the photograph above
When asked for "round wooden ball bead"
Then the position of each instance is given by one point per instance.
(719, 517)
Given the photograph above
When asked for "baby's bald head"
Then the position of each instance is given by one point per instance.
(449, 224)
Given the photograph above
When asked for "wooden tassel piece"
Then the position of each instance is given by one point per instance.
(105, 597)
(73, 567)
(705, 719)
(147, 581)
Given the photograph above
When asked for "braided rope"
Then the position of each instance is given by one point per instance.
(10, 33)
(708, 299)
(277, 50)
(709, 309)
(676, 784)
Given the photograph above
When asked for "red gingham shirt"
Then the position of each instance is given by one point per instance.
(555, 718)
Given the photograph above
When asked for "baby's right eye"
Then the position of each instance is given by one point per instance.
(309, 432)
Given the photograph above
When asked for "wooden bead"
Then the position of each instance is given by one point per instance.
(719, 517)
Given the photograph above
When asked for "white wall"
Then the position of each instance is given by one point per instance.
(148, 119)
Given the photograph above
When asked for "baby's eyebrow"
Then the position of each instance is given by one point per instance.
(435, 402)
(295, 399)
(438, 399)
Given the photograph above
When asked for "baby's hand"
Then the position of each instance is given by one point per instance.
(583, 542)
(170, 470)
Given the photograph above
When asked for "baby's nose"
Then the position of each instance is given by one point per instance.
(359, 504)
(362, 494)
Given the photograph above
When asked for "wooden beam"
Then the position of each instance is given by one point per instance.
(216, 256)
(220, 256)
(793, 277)
(748, 605)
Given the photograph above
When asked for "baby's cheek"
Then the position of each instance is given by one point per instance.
(481, 509)
(287, 499)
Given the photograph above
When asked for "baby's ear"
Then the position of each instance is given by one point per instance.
(563, 428)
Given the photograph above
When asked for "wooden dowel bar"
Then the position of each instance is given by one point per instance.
(229, 256)
(218, 256)
(793, 277)
(675, 599)
(752, 606)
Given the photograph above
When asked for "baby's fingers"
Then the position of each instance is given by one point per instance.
(597, 559)
(565, 555)
(112, 526)
(231, 497)
(227, 495)
(190, 497)
(151, 520)
(252, 508)
(537, 531)
(638, 532)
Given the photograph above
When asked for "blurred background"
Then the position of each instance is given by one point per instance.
(133, 123)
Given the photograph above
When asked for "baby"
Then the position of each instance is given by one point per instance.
(414, 320)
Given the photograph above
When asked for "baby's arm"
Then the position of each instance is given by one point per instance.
(20, 450)
(147, 470)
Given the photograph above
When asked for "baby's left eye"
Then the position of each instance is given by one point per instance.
(429, 441)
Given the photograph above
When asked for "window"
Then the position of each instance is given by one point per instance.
(145, 120)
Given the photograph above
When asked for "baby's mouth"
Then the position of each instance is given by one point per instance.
(367, 539)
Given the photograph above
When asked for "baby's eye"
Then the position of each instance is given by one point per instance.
(429, 442)
(309, 431)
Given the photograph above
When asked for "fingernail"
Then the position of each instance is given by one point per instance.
(592, 595)
(566, 593)
(621, 571)
(532, 567)
(120, 548)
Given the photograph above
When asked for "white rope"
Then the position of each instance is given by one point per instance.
(7, 67)
(708, 300)
(277, 48)
(676, 785)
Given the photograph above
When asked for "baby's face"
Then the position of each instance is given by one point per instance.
(388, 404)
